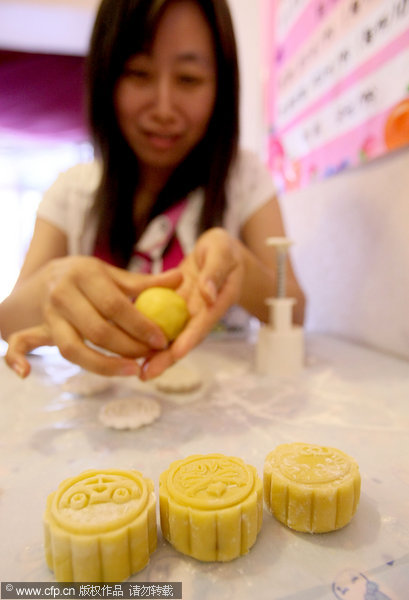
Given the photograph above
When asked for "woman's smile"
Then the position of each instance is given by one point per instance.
(162, 141)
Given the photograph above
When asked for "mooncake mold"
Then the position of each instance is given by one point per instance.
(100, 526)
(311, 488)
(211, 506)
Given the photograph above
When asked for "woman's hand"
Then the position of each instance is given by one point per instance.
(86, 300)
(212, 282)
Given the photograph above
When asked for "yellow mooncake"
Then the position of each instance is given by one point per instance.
(100, 526)
(311, 488)
(211, 506)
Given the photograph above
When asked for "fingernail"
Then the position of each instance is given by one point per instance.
(130, 369)
(157, 341)
(144, 371)
(19, 369)
(211, 290)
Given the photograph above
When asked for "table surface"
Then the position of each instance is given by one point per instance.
(348, 397)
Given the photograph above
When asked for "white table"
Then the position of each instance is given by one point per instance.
(348, 397)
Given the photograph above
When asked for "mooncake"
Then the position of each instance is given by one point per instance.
(311, 488)
(100, 526)
(211, 506)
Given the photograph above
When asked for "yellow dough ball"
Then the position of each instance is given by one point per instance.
(166, 308)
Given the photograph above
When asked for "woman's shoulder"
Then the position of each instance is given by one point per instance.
(250, 173)
(247, 160)
(82, 178)
(250, 185)
(72, 193)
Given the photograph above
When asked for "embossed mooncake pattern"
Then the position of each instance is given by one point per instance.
(100, 526)
(311, 488)
(211, 506)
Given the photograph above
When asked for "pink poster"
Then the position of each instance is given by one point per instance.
(338, 88)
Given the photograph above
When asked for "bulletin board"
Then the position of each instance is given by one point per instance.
(337, 85)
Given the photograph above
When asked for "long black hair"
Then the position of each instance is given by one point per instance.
(124, 28)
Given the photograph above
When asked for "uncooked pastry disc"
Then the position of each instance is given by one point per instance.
(178, 379)
(86, 384)
(129, 413)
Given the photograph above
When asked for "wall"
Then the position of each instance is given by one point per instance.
(350, 230)
(49, 26)
(247, 18)
(352, 252)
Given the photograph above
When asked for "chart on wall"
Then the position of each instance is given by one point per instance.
(338, 85)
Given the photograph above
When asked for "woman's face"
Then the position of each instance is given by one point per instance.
(164, 99)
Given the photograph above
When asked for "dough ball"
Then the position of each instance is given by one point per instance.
(166, 308)
(129, 413)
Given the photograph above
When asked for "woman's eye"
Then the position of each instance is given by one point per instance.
(138, 74)
(190, 80)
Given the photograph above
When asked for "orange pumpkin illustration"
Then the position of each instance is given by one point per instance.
(397, 126)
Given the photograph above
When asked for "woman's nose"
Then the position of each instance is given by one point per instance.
(163, 101)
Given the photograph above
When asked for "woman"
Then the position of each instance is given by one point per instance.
(169, 192)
